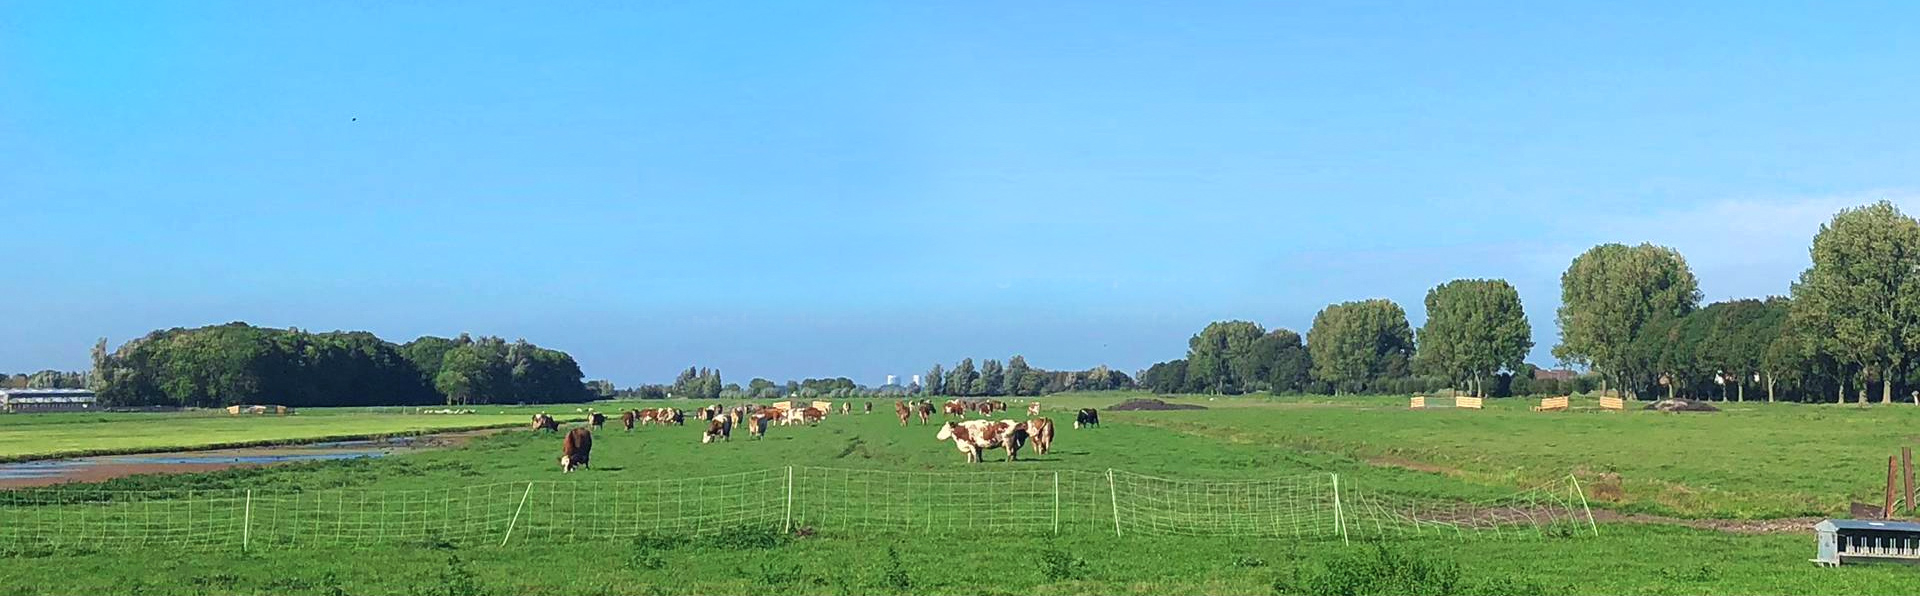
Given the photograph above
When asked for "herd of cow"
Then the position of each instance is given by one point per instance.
(971, 437)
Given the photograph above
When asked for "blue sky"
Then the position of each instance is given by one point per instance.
(791, 189)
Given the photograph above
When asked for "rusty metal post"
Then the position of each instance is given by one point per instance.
(1887, 512)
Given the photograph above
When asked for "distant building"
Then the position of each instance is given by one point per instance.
(1541, 374)
(892, 380)
(45, 400)
(916, 379)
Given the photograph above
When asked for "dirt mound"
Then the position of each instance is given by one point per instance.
(1151, 404)
(1681, 405)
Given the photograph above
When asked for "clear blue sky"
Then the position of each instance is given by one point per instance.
(848, 188)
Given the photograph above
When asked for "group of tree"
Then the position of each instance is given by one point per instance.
(698, 383)
(1630, 315)
(47, 379)
(1234, 357)
(238, 363)
(1016, 377)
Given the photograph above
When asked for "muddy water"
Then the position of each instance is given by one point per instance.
(104, 467)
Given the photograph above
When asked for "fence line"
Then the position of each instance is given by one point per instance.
(828, 500)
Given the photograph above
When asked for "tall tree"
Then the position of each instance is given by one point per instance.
(961, 381)
(1475, 328)
(935, 382)
(1284, 364)
(1609, 294)
(1165, 377)
(992, 379)
(1355, 344)
(1861, 297)
(1017, 371)
(1219, 357)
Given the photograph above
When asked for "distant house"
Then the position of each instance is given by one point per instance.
(1541, 374)
(46, 400)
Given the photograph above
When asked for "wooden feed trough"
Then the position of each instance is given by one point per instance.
(1552, 404)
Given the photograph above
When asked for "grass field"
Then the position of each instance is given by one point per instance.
(1752, 461)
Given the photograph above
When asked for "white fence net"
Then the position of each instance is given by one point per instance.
(827, 500)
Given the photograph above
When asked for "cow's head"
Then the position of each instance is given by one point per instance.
(946, 432)
(566, 463)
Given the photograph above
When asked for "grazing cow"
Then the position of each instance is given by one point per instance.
(869, 406)
(1033, 409)
(677, 417)
(575, 448)
(972, 436)
(900, 409)
(1040, 430)
(546, 423)
(628, 417)
(812, 416)
(925, 410)
(757, 423)
(956, 407)
(1087, 418)
(720, 428)
(597, 420)
(985, 408)
(846, 408)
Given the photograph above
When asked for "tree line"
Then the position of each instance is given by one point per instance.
(47, 379)
(1630, 315)
(1016, 377)
(238, 363)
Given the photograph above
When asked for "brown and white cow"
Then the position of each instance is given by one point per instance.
(545, 422)
(627, 419)
(846, 408)
(925, 410)
(757, 423)
(955, 407)
(575, 449)
(869, 407)
(973, 436)
(900, 409)
(812, 416)
(720, 428)
(597, 420)
(1040, 431)
(1033, 409)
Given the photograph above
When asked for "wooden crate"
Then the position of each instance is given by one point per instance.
(1613, 403)
(1467, 402)
(1418, 402)
(1551, 404)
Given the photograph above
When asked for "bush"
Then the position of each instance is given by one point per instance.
(1059, 565)
(1387, 571)
(749, 539)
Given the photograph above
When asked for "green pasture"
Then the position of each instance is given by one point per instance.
(1752, 460)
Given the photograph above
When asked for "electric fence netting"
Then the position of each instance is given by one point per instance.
(831, 501)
